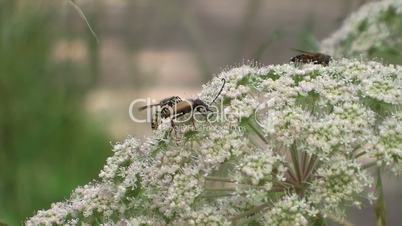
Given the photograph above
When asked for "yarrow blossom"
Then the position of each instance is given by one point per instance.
(373, 31)
(295, 149)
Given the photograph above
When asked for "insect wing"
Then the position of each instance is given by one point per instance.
(304, 52)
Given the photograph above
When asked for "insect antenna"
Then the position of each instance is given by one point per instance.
(147, 106)
(220, 91)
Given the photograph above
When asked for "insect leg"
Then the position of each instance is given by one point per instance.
(192, 121)
(155, 118)
(172, 120)
(173, 126)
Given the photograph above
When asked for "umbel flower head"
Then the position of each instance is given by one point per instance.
(373, 31)
(293, 148)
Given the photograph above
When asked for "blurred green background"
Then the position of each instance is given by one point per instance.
(64, 96)
(48, 144)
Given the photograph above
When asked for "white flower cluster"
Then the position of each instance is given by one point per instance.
(104, 198)
(388, 149)
(257, 168)
(134, 221)
(336, 183)
(286, 124)
(290, 154)
(375, 30)
(337, 131)
(386, 89)
(206, 216)
(291, 210)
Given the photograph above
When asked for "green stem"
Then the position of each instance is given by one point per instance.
(341, 222)
(368, 165)
(295, 159)
(250, 212)
(292, 178)
(221, 179)
(257, 131)
(216, 195)
(360, 154)
(220, 189)
(320, 221)
(379, 206)
(310, 167)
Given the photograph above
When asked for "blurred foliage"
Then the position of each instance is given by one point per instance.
(47, 144)
(388, 49)
(306, 37)
(373, 32)
(266, 44)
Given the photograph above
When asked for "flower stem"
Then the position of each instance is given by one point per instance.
(360, 154)
(220, 189)
(379, 206)
(216, 195)
(250, 212)
(368, 165)
(296, 164)
(341, 222)
(257, 131)
(221, 179)
(320, 221)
